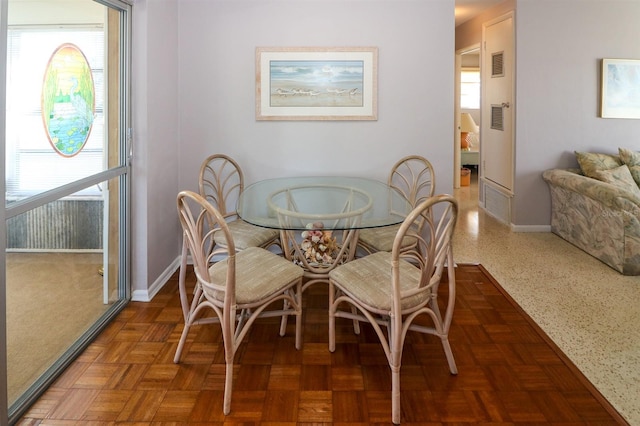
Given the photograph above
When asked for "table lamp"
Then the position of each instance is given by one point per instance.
(467, 125)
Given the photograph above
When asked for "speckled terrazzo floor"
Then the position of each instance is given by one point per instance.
(589, 310)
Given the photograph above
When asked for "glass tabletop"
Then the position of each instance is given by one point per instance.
(336, 202)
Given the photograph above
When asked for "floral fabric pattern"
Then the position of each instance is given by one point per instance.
(598, 217)
(632, 160)
(591, 162)
(620, 176)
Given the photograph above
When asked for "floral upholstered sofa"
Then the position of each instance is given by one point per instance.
(597, 207)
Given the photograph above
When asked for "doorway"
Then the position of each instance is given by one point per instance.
(467, 112)
(66, 186)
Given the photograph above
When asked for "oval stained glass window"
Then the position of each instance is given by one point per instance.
(68, 100)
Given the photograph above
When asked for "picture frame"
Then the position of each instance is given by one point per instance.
(620, 88)
(316, 83)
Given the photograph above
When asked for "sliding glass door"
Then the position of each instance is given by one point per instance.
(66, 163)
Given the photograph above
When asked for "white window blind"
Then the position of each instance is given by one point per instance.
(470, 89)
(32, 164)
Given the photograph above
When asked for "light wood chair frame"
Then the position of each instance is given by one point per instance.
(221, 180)
(235, 318)
(413, 176)
(345, 222)
(392, 323)
(220, 177)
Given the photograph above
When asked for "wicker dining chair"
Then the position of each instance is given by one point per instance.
(220, 182)
(239, 288)
(390, 290)
(413, 177)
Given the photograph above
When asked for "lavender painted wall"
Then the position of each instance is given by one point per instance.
(200, 55)
(213, 64)
(155, 228)
(217, 86)
(559, 47)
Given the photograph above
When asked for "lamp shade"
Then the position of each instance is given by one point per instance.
(467, 125)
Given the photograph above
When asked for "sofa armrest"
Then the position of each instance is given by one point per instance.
(609, 195)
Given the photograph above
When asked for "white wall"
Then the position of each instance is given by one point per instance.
(215, 102)
(559, 46)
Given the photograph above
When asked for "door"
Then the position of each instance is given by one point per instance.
(64, 137)
(497, 103)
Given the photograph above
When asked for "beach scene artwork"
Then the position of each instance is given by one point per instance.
(316, 83)
(621, 88)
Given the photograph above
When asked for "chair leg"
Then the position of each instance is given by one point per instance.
(298, 297)
(229, 343)
(228, 388)
(332, 318)
(395, 395)
(184, 299)
(183, 339)
(433, 304)
(449, 313)
(299, 330)
(182, 286)
(285, 317)
(356, 323)
(354, 311)
(449, 354)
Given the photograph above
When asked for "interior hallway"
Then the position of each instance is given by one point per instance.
(588, 309)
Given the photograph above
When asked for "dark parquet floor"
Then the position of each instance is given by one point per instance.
(509, 373)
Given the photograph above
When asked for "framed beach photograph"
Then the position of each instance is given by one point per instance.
(620, 88)
(317, 83)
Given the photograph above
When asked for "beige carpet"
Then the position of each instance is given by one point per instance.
(52, 299)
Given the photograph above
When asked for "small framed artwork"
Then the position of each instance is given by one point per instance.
(316, 83)
(620, 88)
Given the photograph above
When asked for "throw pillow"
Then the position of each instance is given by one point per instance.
(591, 162)
(632, 160)
(621, 177)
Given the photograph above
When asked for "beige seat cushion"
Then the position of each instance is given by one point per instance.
(259, 273)
(382, 238)
(368, 279)
(247, 235)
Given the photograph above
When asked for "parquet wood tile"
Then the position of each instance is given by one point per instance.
(509, 371)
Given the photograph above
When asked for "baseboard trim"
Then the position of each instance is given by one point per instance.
(148, 294)
(530, 228)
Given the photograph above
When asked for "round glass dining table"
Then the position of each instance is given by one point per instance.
(320, 218)
(337, 202)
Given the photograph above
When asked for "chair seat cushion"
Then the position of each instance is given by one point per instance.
(247, 235)
(259, 274)
(368, 280)
(381, 239)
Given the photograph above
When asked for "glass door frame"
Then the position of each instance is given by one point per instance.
(121, 173)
